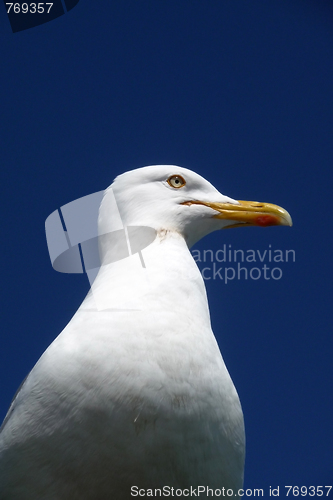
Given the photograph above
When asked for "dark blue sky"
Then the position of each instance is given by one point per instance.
(240, 92)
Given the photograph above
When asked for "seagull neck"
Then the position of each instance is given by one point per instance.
(165, 265)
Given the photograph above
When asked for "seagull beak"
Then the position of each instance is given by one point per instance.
(249, 213)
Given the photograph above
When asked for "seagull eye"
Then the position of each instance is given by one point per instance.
(176, 181)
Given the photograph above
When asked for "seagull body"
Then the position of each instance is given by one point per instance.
(134, 392)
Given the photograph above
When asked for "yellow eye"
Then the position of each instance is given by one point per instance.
(176, 181)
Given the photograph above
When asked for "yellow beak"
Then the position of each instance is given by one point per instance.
(249, 213)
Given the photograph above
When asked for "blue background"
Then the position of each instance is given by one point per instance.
(240, 92)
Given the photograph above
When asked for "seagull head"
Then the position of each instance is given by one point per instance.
(175, 199)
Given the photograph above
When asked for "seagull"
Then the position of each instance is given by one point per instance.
(133, 397)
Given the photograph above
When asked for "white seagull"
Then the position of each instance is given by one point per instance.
(133, 396)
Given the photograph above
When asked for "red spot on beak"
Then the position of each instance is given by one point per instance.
(267, 220)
